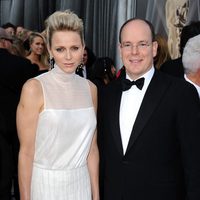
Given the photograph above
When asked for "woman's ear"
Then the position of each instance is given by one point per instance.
(49, 51)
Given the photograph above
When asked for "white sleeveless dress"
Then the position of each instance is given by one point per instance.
(65, 130)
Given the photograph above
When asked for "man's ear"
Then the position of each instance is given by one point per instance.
(155, 48)
(120, 49)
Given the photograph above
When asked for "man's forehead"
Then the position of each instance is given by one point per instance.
(137, 27)
(136, 22)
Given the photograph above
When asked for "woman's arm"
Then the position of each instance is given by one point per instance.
(28, 110)
(93, 157)
(93, 166)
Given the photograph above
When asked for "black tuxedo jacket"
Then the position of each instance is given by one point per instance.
(162, 160)
(14, 71)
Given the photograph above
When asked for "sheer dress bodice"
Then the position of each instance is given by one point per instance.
(64, 133)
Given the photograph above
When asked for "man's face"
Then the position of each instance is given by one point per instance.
(85, 57)
(137, 49)
(7, 44)
(10, 31)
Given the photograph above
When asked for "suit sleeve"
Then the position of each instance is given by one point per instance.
(189, 136)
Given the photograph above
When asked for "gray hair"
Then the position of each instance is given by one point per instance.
(63, 21)
(191, 55)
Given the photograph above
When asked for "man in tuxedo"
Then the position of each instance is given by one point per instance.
(148, 126)
(15, 71)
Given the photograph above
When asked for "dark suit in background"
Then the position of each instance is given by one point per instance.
(15, 71)
(85, 68)
(175, 67)
(161, 161)
(6, 162)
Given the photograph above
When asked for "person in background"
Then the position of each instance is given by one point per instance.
(38, 52)
(19, 31)
(121, 72)
(175, 67)
(9, 28)
(162, 51)
(56, 121)
(150, 138)
(103, 71)
(15, 71)
(6, 158)
(17, 47)
(24, 34)
(85, 68)
(191, 62)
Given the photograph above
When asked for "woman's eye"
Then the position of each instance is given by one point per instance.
(60, 49)
(74, 48)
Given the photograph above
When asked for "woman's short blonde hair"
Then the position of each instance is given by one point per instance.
(61, 21)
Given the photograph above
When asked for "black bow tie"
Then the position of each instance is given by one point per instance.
(126, 84)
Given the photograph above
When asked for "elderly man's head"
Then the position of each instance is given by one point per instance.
(191, 55)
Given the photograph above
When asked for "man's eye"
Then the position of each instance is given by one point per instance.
(143, 44)
(127, 45)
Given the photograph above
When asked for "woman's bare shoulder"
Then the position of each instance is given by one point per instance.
(32, 86)
(93, 90)
(32, 92)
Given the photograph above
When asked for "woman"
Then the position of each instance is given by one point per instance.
(162, 52)
(56, 122)
(38, 52)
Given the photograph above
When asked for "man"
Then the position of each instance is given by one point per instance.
(9, 28)
(14, 72)
(175, 67)
(191, 62)
(85, 69)
(148, 134)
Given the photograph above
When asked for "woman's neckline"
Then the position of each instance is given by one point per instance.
(62, 76)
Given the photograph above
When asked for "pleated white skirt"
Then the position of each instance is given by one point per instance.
(72, 184)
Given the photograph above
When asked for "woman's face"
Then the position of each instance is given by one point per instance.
(67, 50)
(37, 45)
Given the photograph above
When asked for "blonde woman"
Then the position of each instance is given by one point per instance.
(38, 52)
(56, 121)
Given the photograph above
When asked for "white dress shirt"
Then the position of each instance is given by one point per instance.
(130, 105)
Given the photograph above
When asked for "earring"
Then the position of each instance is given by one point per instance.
(81, 64)
(51, 63)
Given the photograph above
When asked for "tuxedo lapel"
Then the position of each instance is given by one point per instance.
(154, 93)
(115, 128)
